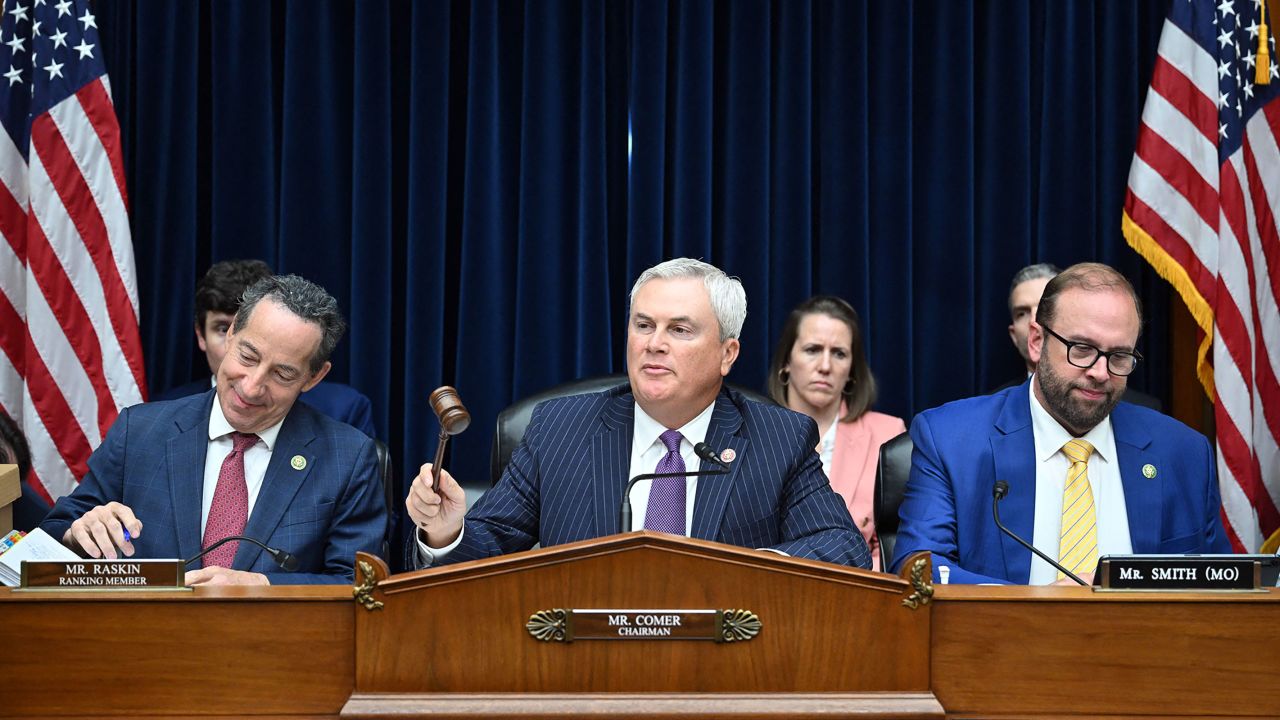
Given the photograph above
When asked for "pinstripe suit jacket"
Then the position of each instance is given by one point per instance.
(565, 483)
(152, 460)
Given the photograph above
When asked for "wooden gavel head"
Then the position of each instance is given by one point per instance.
(454, 418)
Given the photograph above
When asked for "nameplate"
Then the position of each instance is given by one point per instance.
(563, 625)
(1191, 572)
(103, 574)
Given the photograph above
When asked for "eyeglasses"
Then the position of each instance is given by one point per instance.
(1084, 355)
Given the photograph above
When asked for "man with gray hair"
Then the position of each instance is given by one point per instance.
(565, 481)
(173, 479)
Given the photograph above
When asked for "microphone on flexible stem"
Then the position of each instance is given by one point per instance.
(625, 511)
(705, 451)
(283, 558)
(998, 491)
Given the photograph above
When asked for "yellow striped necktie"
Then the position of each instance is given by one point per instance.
(1078, 545)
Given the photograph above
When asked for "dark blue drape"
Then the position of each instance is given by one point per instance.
(479, 183)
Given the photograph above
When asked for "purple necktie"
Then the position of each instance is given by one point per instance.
(666, 496)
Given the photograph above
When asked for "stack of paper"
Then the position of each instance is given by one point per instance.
(36, 545)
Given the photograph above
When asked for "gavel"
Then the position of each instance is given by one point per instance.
(453, 417)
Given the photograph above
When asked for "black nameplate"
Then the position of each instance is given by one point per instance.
(1180, 572)
(103, 574)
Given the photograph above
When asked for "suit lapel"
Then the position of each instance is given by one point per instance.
(279, 485)
(1141, 494)
(852, 442)
(185, 458)
(713, 490)
(1013, 451)
(611, 461)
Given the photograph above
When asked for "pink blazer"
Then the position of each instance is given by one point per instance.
(853, 469)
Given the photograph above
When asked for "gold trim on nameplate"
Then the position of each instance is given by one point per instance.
(70, 575)
(722, 626)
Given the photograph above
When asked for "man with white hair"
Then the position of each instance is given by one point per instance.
(565, 481)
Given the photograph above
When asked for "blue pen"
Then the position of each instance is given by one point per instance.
(127, 536)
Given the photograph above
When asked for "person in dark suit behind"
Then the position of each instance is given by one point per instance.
(29, 509)
(1024, 296)
(1087, 475)
(565, 480)
(242, 459)
(217, 298)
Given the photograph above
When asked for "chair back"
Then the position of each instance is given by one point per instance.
(891, 483)
(387, 477)
(515, 418)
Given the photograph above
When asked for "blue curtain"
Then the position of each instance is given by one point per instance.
(479, 183)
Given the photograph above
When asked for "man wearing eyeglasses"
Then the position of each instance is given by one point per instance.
(1087, 476)
(1024, 297)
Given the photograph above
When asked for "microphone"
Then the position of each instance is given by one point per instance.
(624, 512)
(283, 558)
(998, 491)
(705, 451)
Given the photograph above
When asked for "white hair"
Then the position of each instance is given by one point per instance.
(728, 299)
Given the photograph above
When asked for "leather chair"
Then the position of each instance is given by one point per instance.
(389, 491)
(515, 418)
(892, 472)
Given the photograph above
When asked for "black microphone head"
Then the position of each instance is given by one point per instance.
(709, 455)
(1000, 489)
(286, 560)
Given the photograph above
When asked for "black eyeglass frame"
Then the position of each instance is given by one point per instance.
(1099, 353)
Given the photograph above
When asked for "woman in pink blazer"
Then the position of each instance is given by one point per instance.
(819, 369)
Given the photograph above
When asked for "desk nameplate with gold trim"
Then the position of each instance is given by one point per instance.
(103, 575)
(567, 625)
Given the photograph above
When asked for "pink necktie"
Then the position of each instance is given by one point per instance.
(230, 509)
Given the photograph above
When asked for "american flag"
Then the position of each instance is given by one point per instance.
(1202, 208)
(70, 353)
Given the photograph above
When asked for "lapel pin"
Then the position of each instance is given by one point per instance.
(1149, 471)
(298, 462)
(728, 455)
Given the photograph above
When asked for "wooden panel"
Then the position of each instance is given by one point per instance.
(1027, 651)
(209, 652)
(462, 629)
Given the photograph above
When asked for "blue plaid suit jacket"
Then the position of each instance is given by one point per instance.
(152, 460)
(963, 447)
(565, 483)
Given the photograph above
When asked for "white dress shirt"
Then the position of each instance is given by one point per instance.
(827, 447)
(646, 450)
(1051, 477)
(255, 459)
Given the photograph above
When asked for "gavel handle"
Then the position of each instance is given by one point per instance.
(435, 466)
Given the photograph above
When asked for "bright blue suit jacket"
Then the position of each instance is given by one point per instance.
(152, 460)
(340, 402)
(963, 447)
(565, 481)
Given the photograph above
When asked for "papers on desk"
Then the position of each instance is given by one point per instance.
(36, 545)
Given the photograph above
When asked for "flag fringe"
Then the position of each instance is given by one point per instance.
(1169, 269)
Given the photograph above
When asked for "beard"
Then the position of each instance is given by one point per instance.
(1076, 414)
